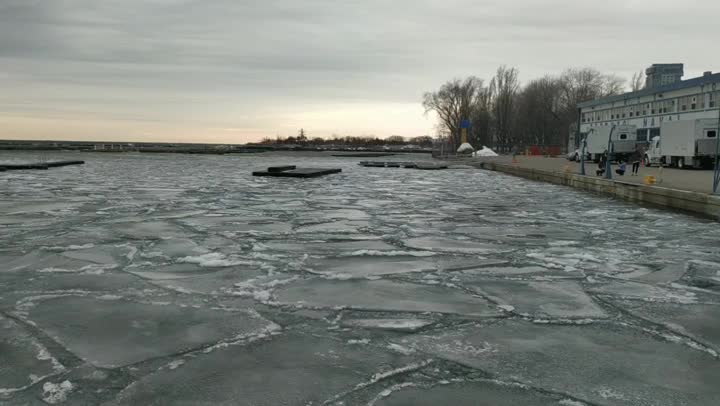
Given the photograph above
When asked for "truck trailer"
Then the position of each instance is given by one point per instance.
(684, 143)
(622, 138)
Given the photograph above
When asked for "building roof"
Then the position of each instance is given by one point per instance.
(699, 81)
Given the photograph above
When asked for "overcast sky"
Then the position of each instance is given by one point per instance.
(240, 70)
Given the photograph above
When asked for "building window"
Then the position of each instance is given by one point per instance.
(712, 134)
(623, 136)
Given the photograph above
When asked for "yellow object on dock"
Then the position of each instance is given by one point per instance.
(650, 180)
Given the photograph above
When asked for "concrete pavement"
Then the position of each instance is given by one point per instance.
(683, 179)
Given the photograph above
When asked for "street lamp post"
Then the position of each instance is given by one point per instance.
(583, 152)
(608, 166)
(716, 177)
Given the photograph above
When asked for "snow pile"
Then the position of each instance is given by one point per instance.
(484, 151)
(465, 147)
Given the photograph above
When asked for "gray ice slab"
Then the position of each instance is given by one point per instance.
(113, 333)
(525, 272)
(290, 369)
(384, 295)
(557, 299)
(44, 260)
(23, 360)
(469, 394)
(340, 214)
(699, 321)
(602, 364)
(371, 265)
(177, 247)
(332, 247)
(149, 230)
(451, 245)
(644, 291)
(343, 226)
(215, 283)
(393, 324)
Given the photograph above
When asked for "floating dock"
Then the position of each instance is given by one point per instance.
(399, 164)
(291, 171)
(363, 155)
(40, 165)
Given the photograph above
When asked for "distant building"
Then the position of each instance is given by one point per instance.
(666, 97)
(661, 74)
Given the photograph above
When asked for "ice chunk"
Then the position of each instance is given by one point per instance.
(340, 214)
(98, 255)
(558, 299)
(39, 260)
(210, 283)
(389, 324)
(468, 394)
(149, 230)
(211, 260)
(698, 321)
(112, 333)
(23, 360)
(334, 227)
(363, 266)
(586, 362)
(328, 247)
(56, 392)
(450, 245)
(383, 295)
(646, 292)
(291, 369)
(177, 247)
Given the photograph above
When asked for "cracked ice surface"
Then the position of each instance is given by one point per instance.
(171, 279)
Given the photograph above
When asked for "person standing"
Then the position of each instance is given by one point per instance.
(636, 158)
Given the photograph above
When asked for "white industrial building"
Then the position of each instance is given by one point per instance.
(666, 97)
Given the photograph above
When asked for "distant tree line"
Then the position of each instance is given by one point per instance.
(348, 140)
(504, 114)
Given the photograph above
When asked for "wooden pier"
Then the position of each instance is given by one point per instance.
(363, 155)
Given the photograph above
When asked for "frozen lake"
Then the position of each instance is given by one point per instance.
(182, 280)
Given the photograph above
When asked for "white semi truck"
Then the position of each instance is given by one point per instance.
(688, 143)
(623, 139)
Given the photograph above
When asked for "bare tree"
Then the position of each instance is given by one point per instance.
(453, 102)
(638, 81)
(505, 86)
(581, 85)
(539, 121)
(482, 118)
(504, 114)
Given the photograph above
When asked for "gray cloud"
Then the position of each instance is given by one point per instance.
(157, 59)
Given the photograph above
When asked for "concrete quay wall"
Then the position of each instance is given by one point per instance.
(697, 203)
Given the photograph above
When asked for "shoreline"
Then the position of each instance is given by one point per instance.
(697, 203)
